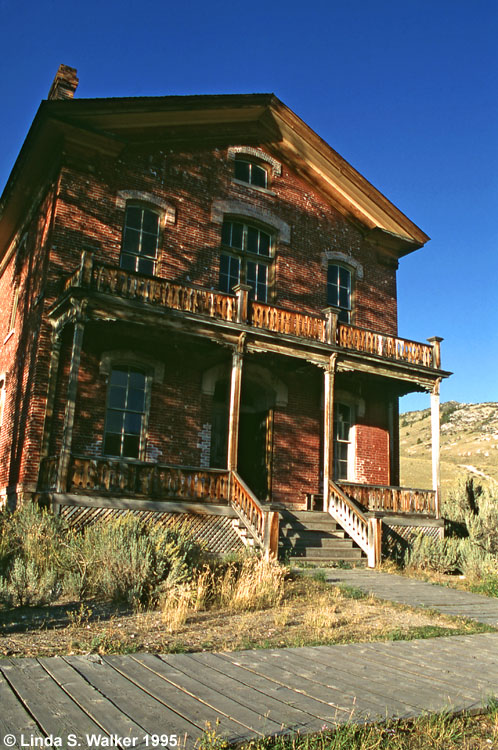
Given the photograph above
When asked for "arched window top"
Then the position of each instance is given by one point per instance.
(341, 259)
(125, 358)
(251, 154)
(166, 210)
(246, 213)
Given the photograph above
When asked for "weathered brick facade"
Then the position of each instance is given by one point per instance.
(176, 158)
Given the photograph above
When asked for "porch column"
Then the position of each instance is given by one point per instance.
(328, 427)
(52, 383)
(235, 391)
(72, 388)
(435, 441)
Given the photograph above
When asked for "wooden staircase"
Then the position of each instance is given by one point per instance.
(314, 537)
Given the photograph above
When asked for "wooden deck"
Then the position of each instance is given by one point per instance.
(127, 701)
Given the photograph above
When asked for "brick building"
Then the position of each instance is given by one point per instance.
(198, 317)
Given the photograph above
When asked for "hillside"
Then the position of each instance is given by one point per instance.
(469, 444)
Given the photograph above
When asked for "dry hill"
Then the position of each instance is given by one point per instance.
(469, 444)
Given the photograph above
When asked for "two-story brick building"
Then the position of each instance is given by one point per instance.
(198, 317)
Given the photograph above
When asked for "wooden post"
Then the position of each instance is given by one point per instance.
(328, 429)
(234, 414)
(332, 316)
(52, 383)
(374, 541)
(86, 268)
(271, 529)
(435, 441)
(72, 388)
(242, 294)
(435, 342)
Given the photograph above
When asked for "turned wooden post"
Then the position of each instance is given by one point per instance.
(374, 540)
(435, 342)
(332, 319)
(72, 389)
(435, 442)
(86, 268)
(234, 414)
(242, 295)
(328, 429)
(51, 390)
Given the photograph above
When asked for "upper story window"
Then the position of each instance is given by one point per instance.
(249, 260)
(126, 411)
(250, 172)
(140, 240)
(339, 290)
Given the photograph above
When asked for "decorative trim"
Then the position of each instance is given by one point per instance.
(222, 208)
(329, 256)
(257, 153)
(261, 375)
(167, 209)
(115, 357)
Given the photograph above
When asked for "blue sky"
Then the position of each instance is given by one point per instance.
(405, 91)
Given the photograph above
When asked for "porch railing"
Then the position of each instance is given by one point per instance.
(260, 521)
(365, 530)
(238, 309)
(156, 481)
(391, 499)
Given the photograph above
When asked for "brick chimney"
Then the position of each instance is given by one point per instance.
(65, 83)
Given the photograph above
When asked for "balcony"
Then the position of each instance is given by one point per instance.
(238, 309)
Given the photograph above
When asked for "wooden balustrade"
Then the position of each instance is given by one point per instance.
(262, 523)
(391, 499)
(156, 481)
(349, 515)
(287, 321)
(152, 290)
(391, 347)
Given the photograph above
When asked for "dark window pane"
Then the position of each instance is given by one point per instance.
(128, 262)
(114, 422)
(133, 217)
(264, 244)
(119, 376)
(131, 446)
(146, 266)
(150, 222)
(344, 298)
(242, 170)
(252, 240)
(251, 274)
(132, 423)
(117, 397)
(149, 245)
(344, 277)
(131, 241)
(136, 400)
(137, 379)
(237, 235)
(112, 445)
(224, 264)
(226, 232)
(344, 316)
(259, 176)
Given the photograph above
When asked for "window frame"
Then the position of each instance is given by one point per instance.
(145, 413)
(252, 164)
(345, 311)
(152, 209)
(349, 442)
(244, 257)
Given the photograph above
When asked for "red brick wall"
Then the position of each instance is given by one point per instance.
(372, 444)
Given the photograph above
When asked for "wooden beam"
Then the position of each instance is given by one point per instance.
(72, 389)
(234, 414)
(328, 427)
(435, 441)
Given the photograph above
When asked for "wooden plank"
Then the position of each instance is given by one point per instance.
(276, 697)
(14, 718)
(272, 665)
(51, 708)
(154, 716)
(174, 670)
(192, 708)
(109, 718)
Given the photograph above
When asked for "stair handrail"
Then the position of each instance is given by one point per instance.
(365, 530)
(259, 519)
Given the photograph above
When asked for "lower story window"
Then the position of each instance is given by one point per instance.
(125, 415)
(235, 270)
(342, 440)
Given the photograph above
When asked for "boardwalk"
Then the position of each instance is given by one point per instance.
(124, 701)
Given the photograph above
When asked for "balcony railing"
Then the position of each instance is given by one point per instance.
(238, 309)
(391, 499)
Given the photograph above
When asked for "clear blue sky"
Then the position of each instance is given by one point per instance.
(405, 90)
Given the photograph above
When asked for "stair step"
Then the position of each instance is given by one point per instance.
(335, 544)
(309, 536)
(353, 553)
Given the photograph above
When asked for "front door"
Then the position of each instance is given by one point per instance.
(255, 451)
